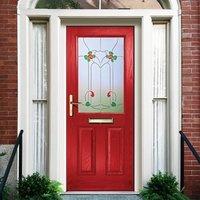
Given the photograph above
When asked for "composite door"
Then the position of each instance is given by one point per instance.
(100, 108)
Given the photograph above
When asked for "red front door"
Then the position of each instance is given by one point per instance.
(100, 113)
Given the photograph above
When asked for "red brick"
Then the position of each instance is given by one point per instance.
(191, 87)
(8, 71)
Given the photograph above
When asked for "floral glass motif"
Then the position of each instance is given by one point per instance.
(101, 74)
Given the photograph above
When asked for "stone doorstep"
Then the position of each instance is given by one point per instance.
(100, 197)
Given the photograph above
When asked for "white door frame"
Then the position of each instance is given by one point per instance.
(58, 19)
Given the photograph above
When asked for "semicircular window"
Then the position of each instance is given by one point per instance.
(101, 4)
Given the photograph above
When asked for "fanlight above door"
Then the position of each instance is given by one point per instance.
(102, 4)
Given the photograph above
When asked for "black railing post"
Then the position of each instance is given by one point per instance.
(182, 163)
(7, 171)
(20, 160)
(192, 149)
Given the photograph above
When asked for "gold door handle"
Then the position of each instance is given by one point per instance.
(71, 104)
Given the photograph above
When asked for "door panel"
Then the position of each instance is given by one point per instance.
(115, 151)
(86, 147)
(100, 134)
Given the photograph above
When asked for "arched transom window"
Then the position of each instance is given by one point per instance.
(101, 4)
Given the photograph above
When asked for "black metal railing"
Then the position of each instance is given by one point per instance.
(192, 149)
(5, 177)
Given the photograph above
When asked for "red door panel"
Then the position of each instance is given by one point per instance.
(115, 151)
(100, 156)
(86, 151)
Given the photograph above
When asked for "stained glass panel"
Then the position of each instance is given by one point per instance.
(101, 74)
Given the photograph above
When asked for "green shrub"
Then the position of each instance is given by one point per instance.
(162, 187)
(6, 189)
(37, 187)
(6, 193)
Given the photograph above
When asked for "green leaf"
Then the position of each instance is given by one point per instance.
(115, 57)
(113, 104)
(88, 103)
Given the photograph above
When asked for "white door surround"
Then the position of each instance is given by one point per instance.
(57, 21)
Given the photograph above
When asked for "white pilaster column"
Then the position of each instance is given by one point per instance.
(57, 152)
(147, 96)
(175, 94)
(23, 89)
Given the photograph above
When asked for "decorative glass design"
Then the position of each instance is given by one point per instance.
(101, 74)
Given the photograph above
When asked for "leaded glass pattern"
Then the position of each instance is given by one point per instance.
(101, 74)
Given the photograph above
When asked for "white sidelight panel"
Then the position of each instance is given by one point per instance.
(39, 99)
(160, 136)
(160, 97)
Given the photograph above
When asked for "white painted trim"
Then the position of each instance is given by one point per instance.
(143, 169)
(23, 88)
(137, 108)
(101, 192)
(147, 96)
(175, 4)
(108, 13)
(57, 123)
(63, 106)
(30, 70)
(136, 23)
(175, 96)
(26, 4)
(168, 94)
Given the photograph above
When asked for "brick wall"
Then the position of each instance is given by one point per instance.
(190, 82)
(8, 71)
(191, 91)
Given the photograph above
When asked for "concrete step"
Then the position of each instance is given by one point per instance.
(100, 197)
